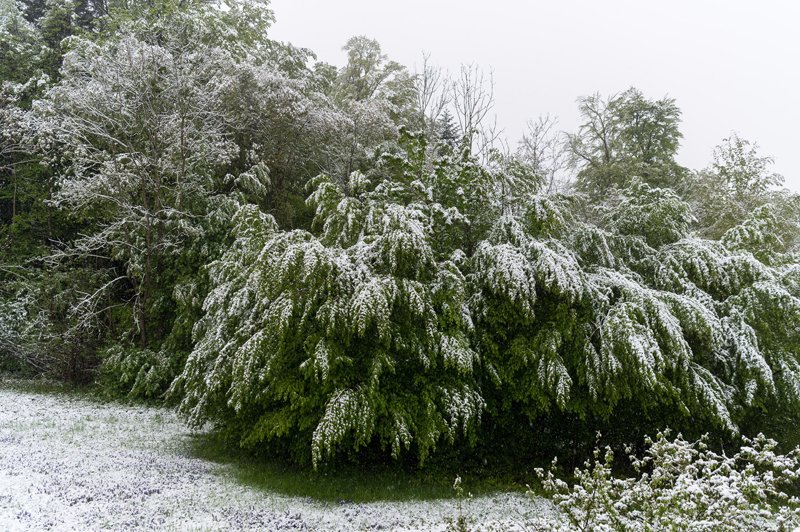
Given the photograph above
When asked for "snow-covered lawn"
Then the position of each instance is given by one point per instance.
(68, 463)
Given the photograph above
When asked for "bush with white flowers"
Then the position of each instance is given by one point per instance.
(682, 485)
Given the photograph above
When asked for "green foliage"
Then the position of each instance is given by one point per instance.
(624, 137)
(582, 337)
(367, 70)
(339, 341)
(760, 234)
(739, 196)
(55, 26)
(656, 215)
(19, 43)
(138, 373)
(38, 328)
(407, 284)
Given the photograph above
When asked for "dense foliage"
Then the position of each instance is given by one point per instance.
(685, 486)
(324, 262)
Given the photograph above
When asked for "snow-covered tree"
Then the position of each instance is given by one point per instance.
(19, 43)
(623, 137)
(157, 134)
(142, 133)
(353, 335)
(739, 197)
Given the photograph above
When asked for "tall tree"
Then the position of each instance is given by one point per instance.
(376, 97)
(367, 72)
(143, 127)
(623, 137)
(740, 198)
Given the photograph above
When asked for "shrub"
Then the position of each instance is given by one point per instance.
(406, 319)
(138, 373)
(684, 485)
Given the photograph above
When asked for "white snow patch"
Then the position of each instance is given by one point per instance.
(69, 463)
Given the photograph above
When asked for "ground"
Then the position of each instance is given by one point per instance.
(71, 463)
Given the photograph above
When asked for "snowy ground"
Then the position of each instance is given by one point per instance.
(67, 463)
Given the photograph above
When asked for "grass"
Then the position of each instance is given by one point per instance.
(77, 428)
(350, 482)
(44, 386)
(93, 392)
(345, 483)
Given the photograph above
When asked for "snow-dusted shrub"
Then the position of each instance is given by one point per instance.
(406, 313)
(682, 485)
(333, 341)
(38, 330)
(136, 372)
(583, 318)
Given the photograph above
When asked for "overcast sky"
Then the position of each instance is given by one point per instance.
(730, 65)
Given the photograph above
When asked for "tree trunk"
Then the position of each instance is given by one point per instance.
(14, 196)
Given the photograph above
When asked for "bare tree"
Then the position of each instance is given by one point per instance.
(432, 91)
(489, 139)
(544, 149)
(473, 99)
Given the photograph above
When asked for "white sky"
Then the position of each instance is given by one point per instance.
(730, 65)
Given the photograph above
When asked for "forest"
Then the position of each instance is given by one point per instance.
(352, 264)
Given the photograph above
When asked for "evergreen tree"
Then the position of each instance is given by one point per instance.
(55, 25)
(447, 130)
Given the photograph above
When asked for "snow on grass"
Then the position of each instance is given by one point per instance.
(68, 463)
